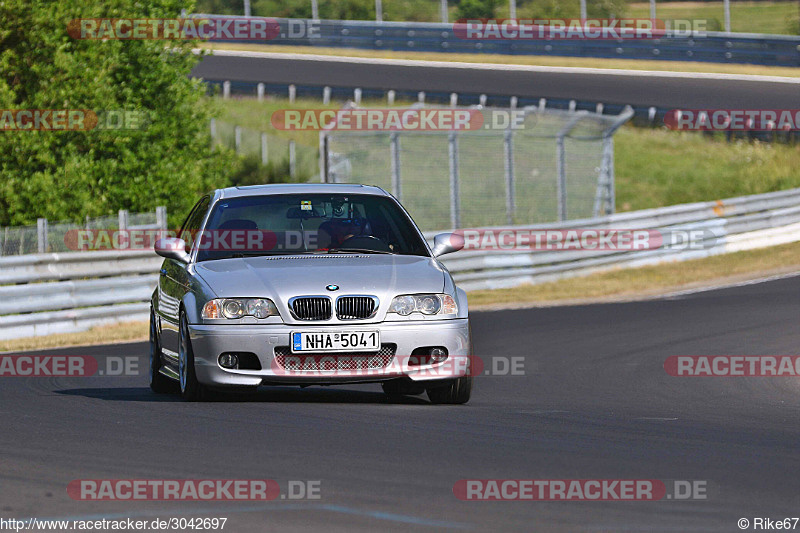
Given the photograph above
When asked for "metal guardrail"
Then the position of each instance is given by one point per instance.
(53, 293)
(730, 225)
(717, 47)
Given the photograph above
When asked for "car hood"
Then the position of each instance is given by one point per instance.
(283, 277)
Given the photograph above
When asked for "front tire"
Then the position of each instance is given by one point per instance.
(159, 383)
(191, 389)
(454, 391)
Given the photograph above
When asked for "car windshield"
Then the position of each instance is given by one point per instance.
(308, 223)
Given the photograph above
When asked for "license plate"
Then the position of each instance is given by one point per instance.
(343, 341)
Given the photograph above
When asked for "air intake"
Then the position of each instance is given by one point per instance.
(311, 308)
(355, 307)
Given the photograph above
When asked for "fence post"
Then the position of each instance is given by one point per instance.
(421, 97)
(512, 9)
(123, 219)
(357, 96)
(508, 167)
(237, 138)
(260, 90)
(264, 153)
(246, 8)
(323, 157)
(453, 99)
(455, 197)
(41, 235)
(314, 10)
(213, 127)
(226, 89)
(326, 95)
(443, 10)
(378, 11)
(390, 97)
(161, 217)
(394, 148)
(292, 93)
(561, 176)
(292, 159)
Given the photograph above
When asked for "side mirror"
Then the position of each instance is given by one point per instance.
(446, 243)
(172, 248)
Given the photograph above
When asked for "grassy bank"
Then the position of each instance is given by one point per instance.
(746, 17)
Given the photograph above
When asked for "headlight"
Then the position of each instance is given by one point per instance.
(239, 307)
(427, 304)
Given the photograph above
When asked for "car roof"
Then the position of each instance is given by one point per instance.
(301, 188)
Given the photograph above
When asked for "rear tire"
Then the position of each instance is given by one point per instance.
(159, 383)
(191, 389)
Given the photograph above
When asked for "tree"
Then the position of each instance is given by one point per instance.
(72, 174)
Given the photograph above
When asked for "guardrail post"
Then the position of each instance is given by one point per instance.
(41, 235)
(264, 152)
(260, 91)
(512, 103)
(123, 219)
(542, 103)
(246, 8)
(314, 10)
(394, 148)
(390, 97)
(237, 138)
(443, 11)
(326, 95)
(161, 217)
(421, 97)
(323, 157)
(357, 96)
(226, 89)
(455, 197)
(453, 99)
(482, 100)
(292, 159)
(292, 93)
(512, 9)
(378, 11)
(508, 167)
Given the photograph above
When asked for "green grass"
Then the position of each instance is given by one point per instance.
(660, 167)
(748, 17)
(654, 167)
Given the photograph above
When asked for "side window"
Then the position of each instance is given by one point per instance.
(192, 225)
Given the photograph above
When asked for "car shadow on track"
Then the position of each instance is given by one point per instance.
(264, 395)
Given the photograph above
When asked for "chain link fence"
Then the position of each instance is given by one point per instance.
(553, 165)
(302, 160)
(51, 237)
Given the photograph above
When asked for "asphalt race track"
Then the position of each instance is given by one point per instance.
(594, 403)
(687, 92)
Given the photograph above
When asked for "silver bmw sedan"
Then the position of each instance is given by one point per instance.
(308, 284)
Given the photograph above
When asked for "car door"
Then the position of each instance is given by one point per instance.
(173, 282)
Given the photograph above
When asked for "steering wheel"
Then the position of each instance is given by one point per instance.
(365, 242)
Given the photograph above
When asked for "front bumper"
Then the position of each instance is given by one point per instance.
(209, 341)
